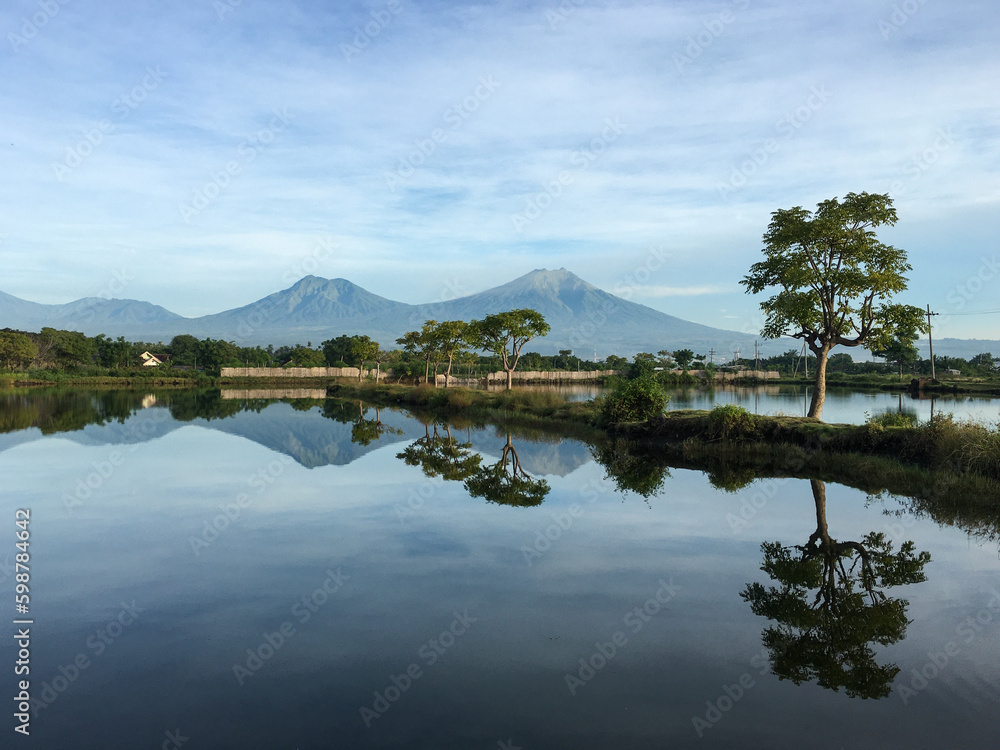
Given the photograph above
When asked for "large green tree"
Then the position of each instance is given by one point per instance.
(505, 334)
(16, 349)
(832, 279)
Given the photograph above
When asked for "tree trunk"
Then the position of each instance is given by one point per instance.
(447, 373)
(427, 370)
(819, 497)
(510, 379)
(361, 370)
(819, 394)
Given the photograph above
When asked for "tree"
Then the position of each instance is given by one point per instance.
(66, 348)
(363, 348)
(184, 349)
(834, 280)
(117, 353)
(421, 343)
(614, 362)
(336, 350)
(683, 357)
(306, 356)
(16, 349)
(505, 334)
(214, 353)
(450, 337)
(899, 351)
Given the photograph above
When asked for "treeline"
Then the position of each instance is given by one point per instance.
(792, 363)
(458, 347)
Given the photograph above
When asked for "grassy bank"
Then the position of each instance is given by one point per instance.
(943, 444)
(535, 409)
(944, 462)
(893, 383)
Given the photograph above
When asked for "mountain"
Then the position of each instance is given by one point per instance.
(582, 317)
(91, 315)
(311, 309)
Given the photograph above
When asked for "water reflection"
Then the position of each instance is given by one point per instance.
(631, 471)
(506, 482)
(442, 455)
(830, 607)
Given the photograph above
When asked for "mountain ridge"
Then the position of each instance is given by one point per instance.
(583, 318)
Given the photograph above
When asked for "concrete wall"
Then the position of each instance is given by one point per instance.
(294, 372)
(556, 376)
(738, 374)
(258, 393)
(493, 377)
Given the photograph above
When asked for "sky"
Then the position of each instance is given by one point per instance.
(201, 154)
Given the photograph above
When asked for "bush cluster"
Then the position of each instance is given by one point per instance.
(635, 400)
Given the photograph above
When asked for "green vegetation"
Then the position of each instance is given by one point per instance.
(634, 400)
(834, 280)
(505, 334)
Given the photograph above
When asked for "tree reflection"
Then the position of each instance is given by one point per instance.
(506, 482)
(366, 431)
(629, 469)
(827, 636)
(441, 455)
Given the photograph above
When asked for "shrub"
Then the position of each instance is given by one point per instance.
(733, 423)
(634, 401)
(894, 419)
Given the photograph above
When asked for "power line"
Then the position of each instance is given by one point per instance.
(974, 312)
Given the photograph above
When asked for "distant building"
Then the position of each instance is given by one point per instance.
(154, 360)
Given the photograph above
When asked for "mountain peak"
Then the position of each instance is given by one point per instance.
(544, 280)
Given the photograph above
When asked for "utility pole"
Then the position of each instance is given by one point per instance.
(711, 355)
(805, 357)
(930, 340)
(755, 356)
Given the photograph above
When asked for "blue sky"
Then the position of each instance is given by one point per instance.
(202, 154)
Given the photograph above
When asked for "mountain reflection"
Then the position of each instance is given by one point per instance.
(311, 430)
(830, 607)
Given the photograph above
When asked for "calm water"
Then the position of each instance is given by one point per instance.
(842, 405)
(301, 574)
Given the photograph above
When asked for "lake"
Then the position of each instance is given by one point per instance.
(254, 573)
(842, 404)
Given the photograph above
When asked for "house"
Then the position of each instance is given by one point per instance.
(154, 360)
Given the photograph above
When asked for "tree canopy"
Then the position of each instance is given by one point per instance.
(505, 334)
(833, 280)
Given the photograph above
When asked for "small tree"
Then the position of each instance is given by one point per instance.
(683, 357)
(833, 279)
(450, 337)
(422, 343)
(505, 334)
(900, 351)
(364, 349)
